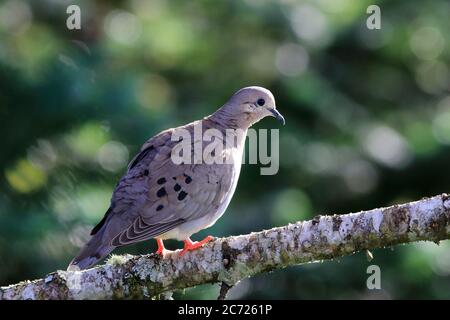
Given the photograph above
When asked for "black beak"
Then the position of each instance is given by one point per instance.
(278, 115)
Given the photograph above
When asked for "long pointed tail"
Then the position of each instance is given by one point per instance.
(94, 251)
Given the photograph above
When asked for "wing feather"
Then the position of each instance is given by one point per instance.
(140, 231)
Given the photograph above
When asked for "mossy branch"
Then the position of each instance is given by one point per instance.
(229, 260)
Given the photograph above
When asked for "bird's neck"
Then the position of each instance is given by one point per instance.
(231, 127)
(226, 120)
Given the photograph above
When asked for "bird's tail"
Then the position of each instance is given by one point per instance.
(94, 251)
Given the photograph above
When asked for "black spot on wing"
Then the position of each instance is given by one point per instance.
(141, 155)
(188, 179)
(177, 187)
(161, 181)
(159, 208)
(161, 192)
(181, 195)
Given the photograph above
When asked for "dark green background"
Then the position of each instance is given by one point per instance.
(367, 112)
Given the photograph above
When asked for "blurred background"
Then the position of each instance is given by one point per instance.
(368, 124)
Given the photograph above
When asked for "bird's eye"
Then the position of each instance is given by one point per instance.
(261, 102)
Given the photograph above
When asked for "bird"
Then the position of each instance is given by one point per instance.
(159, 199)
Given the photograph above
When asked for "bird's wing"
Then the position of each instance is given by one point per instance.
(156, 195)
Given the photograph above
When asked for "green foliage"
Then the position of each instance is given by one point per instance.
(367, 123)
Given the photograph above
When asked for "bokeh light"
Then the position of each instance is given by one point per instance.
(291, 59)
(15, 16)
(291, 205)
(427, 43)
(122, 26)
(387, 146)
(310, 24)
(113, 156)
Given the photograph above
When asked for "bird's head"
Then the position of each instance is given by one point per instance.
(251, 104)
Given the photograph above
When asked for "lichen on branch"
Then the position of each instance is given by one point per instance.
(229, 260)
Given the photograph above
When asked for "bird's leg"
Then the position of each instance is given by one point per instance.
(161, 250)
(192, 245)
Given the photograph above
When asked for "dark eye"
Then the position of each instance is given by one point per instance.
(260, 102)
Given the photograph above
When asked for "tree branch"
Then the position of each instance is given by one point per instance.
(232, 259)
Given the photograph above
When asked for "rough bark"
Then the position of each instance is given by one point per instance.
(232, 259)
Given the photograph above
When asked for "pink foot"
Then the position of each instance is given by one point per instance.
(192, 245)
(161, 250)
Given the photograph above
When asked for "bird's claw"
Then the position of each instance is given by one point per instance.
(162, 251)
(192, 245)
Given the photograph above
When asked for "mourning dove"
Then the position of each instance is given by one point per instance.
(163, 199)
